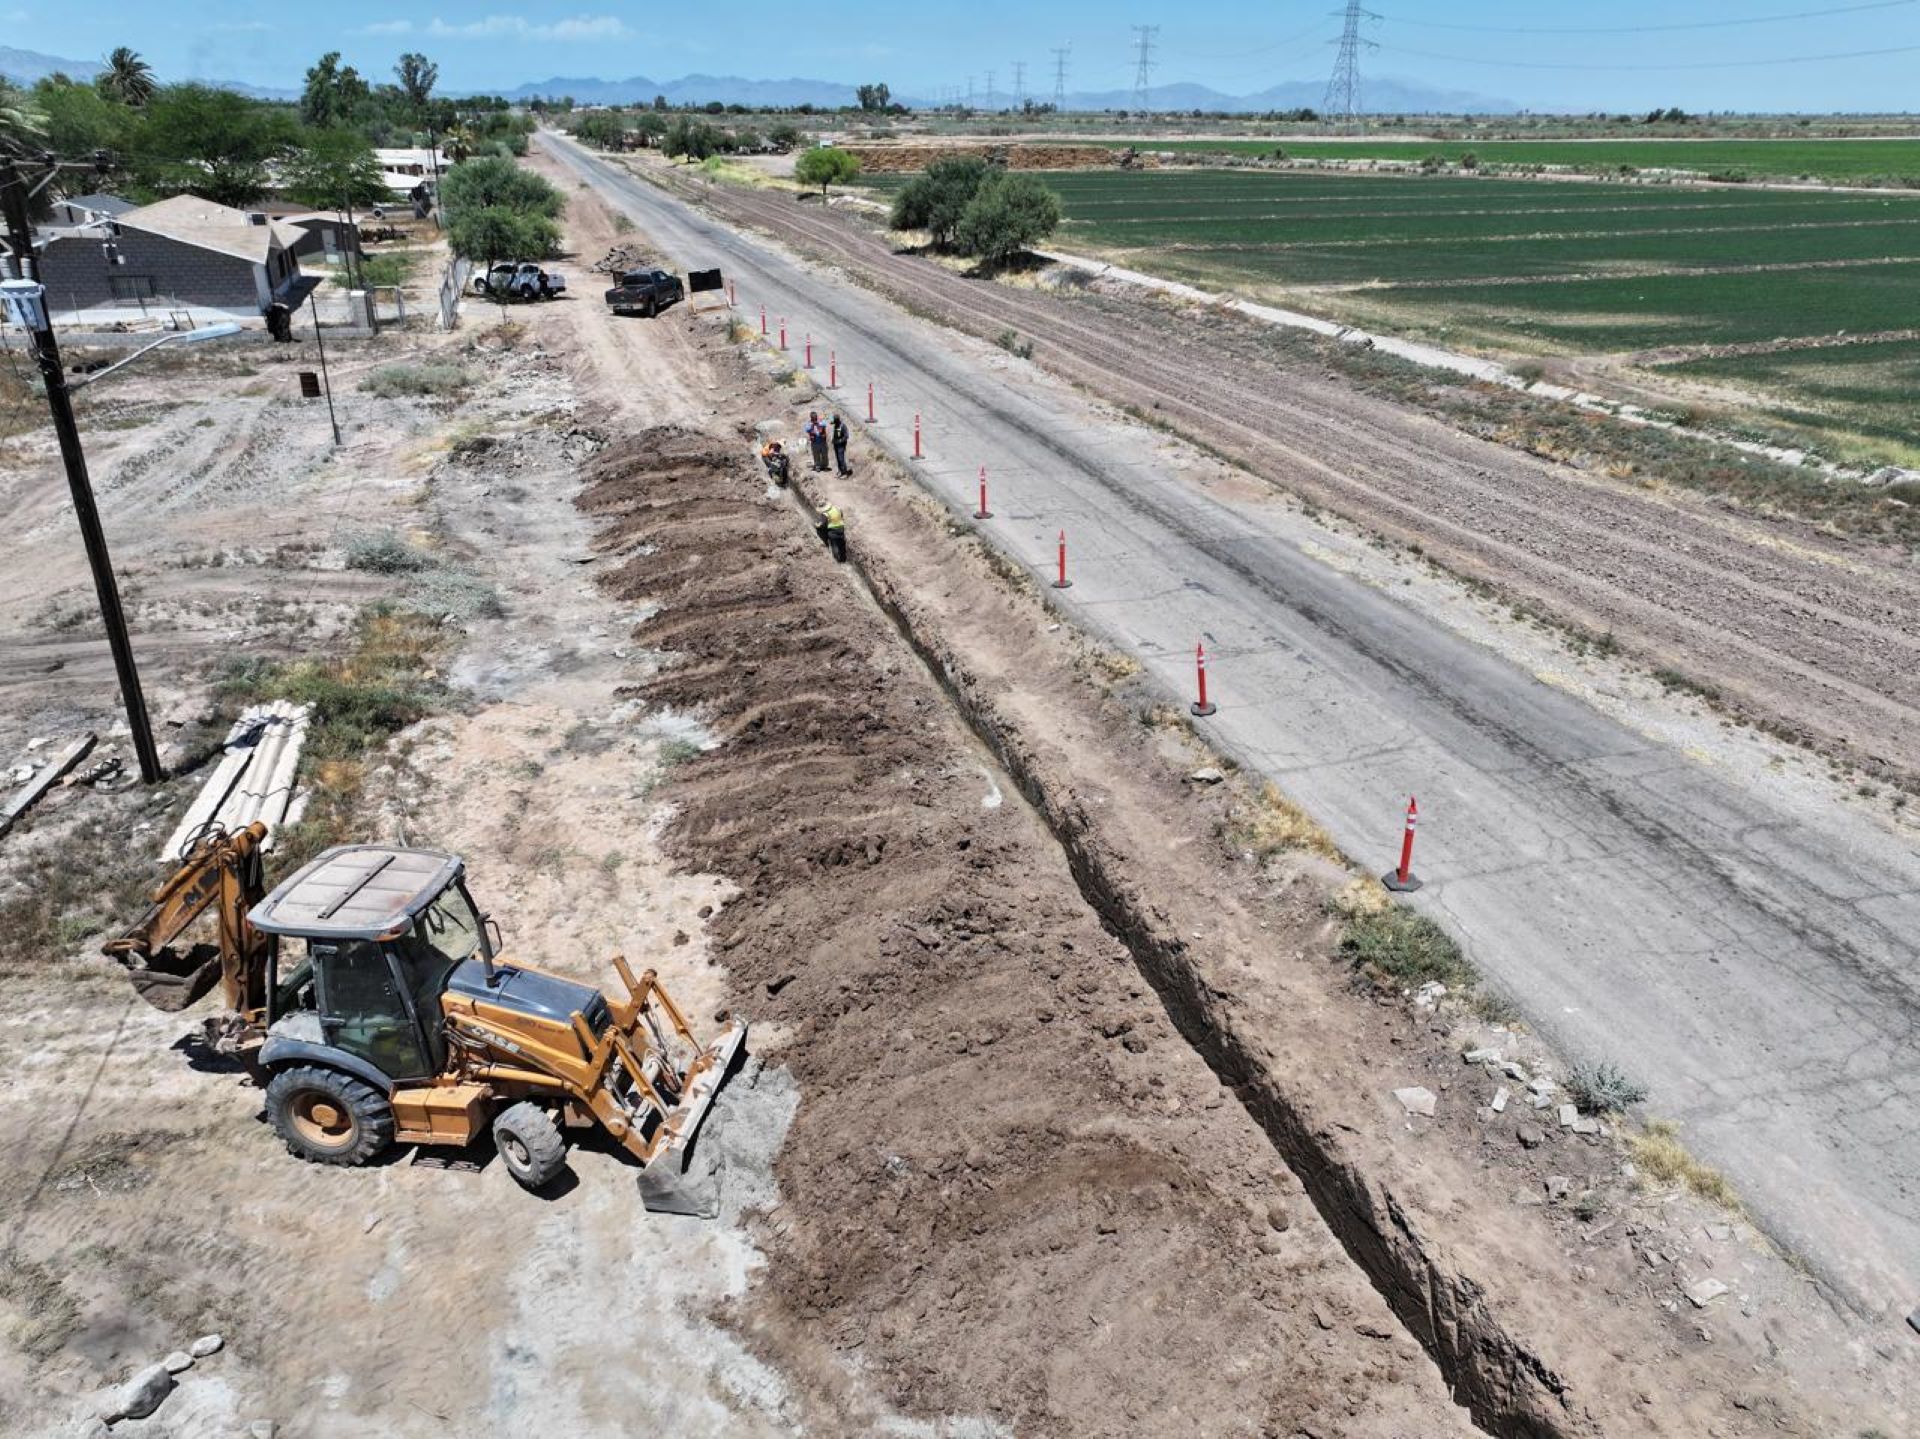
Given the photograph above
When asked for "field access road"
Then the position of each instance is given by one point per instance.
(1749, 956)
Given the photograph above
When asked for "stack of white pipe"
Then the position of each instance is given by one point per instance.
(254, 778)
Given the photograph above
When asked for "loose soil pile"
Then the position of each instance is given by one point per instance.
(1009, 1184)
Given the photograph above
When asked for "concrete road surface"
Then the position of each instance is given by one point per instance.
(1749, 955)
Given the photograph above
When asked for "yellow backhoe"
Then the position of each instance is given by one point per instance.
(366, 995)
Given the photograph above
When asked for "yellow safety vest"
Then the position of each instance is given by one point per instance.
(833, 518)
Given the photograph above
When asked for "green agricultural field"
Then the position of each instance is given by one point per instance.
(1520, 268)
(1841, 161)
(1867, 390)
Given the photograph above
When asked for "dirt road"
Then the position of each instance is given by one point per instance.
(1601, 874)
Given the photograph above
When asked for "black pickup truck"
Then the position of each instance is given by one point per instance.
(645, 292)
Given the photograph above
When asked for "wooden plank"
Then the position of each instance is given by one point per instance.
(29, 793)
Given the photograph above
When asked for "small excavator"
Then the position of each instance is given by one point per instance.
(366, 994)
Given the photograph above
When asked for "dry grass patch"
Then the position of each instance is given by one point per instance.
(1272, 823)
(1663, 1159)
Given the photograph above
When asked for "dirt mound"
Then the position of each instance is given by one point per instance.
(1010, 1186)
(894, 159)
(622, 258)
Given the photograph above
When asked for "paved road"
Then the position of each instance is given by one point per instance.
(1754, 960)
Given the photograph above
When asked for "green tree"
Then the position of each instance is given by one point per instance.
(649, 127)
(492, 182)
(825, 165)
(874, 97)
(80, 119)
(689, 139)
(784, 136)
(23, 129)
(211, 142)
(935, 199)
(602, 128)
(494, 232)
(1008, 214)
(127, 78)
(334, 169)
(417, 75)
(335, 94)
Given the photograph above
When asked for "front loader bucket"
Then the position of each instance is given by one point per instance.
(683, 1178)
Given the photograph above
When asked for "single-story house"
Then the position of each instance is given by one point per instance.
(183, 251)
(319, 232)
(89, 209)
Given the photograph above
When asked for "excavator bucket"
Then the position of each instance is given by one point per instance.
(173, 980)
(219, 877)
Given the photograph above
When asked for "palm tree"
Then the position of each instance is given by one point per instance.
(23, 129)
(128, 78)
(458, 143)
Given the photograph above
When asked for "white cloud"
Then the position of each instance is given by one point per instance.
(516, 27)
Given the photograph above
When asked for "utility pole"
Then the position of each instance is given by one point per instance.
(1143, 77)
(1343, 89)
(1060, 78)
(24, 265)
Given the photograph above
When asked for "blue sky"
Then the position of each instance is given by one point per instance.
(923, 48)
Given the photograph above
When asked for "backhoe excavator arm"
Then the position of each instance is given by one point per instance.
(221, 872)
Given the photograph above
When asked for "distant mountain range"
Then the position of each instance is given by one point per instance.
(1384, 95)
(27, 66)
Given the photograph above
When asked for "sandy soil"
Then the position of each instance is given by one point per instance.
(1784, 622)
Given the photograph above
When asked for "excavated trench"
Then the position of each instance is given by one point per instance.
(1506, 1388)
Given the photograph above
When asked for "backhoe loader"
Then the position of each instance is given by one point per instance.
(367, 996)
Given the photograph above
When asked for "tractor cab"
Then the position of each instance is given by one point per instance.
(384, 930)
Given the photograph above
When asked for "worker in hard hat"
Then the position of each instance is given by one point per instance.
(832, 530)
(779, 467)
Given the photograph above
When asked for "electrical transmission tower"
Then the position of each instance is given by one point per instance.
(1060, 78)
(987, 99)
(1343, 89)
(1143, 77)
(969, 92)
(1019, 82)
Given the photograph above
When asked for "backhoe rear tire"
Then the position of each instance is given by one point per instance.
(328, 1117)
(530, 1144)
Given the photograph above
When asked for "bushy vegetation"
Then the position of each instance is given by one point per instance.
(1397, 946)
(1603, 1089)
(162, 139)
(972, 208)
(395, 382)
(825, 165)
(495, 210)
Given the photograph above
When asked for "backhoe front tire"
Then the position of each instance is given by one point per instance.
(327, 1117)
(530, 1144)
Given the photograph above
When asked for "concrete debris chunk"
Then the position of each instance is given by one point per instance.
(141, 1395)
(206, 1344)
(1500, 1100)
(1568, 1114)
(1531, 1136)
(1703, 1293)
(178, 1362)
(1207, 774)
(1586, 1126)
(1416, 1100)
(1558, 1188)
(262, 1429)
(1481, 1056)
(1513, 1071)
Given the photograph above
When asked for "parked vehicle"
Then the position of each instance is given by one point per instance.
(645, 292)
(519, 280)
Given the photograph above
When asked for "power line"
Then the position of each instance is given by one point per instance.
(1143, 76)
(1649, 29)
(1060, 77)
(1343, 87)
(1636, 65)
